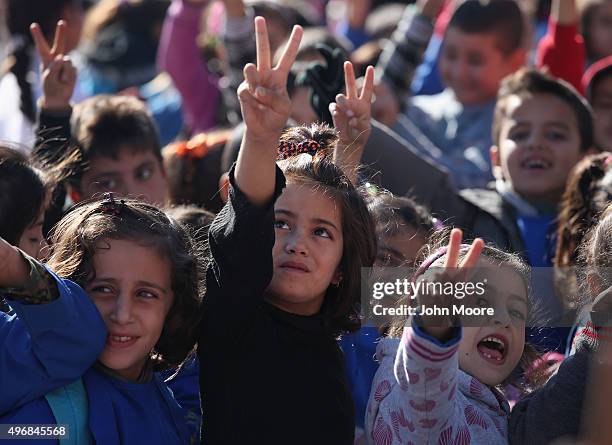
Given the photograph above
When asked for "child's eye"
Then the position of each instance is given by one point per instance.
(145, 173)
(320, 231)
(518, 135)
(481, 302)
(280, 224)
(101, 290)
(557, 136)
(147, 294)
(517, 314)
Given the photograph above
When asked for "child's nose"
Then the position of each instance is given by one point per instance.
(122, 311)
(296, 243)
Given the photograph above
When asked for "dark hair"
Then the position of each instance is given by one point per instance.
(580, 206)
(103, 125)
(196, 221)
(503, 18)
(20, 14)
(77, 237)
(341, 305)
(193, 170)
(527, 82)
(391, 213)
(23, 191)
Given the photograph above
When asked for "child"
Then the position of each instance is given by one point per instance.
(588, 192)
(115, 135)
(555, 410)
(595, 16)
(140, 271)
(482, 45)
(402, 229)
(55, 334)
(283, 281)
(20, 87)
(438, 383)
(597, 83)
(23, 198)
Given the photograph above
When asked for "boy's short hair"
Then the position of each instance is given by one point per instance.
(103, 125)
(500, 17)
(527, 82)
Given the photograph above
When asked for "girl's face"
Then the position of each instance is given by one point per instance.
(491, 352)
(307, 249)
(133, 292)
(400, 249)
(600, 33)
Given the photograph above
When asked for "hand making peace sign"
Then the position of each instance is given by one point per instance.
(264, 100)
(351, 114)
(57, 72)
(453, 271)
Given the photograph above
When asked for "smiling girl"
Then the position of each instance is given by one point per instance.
(140, 270)
(284, 280)
(437, 383)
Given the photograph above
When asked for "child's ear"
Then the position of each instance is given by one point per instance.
(224, 185)
(496, 162)
(337, 278)
(518, 59)
(74, 194)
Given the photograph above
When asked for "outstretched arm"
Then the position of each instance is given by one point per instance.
(265, 106)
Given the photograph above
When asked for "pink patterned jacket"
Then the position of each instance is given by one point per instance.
(420, 397)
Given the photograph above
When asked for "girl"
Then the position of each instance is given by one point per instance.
(437, 384)
(588, 191)
(556, 409)
(23, 198)
(141, 272)
(284, 278)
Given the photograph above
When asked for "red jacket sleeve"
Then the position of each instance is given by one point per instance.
(562, 51)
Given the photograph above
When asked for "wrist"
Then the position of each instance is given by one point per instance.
(54, 105)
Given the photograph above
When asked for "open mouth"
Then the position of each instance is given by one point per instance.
(493, 349)
(120, 341)
(536, 164)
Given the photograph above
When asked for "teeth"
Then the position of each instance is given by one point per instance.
(495, 340)
(537, 163)
(121, 339)
(489, 356)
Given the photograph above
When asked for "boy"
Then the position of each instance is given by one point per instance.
(482, 45)
(116, 136)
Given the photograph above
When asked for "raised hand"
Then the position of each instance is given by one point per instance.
(264, 100)
(437, 325)
(351, 114)
(57, 72)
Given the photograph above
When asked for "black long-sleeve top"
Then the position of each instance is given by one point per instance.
(266, 376)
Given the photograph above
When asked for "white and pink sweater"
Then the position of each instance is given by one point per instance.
(420, 396)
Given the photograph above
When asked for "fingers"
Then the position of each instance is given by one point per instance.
(286, 60)
(470, 260)
(251, 76)
(41, 44)
(368, 85)
(454, 245)
(59, 42)
(263, 45)
(349, 81)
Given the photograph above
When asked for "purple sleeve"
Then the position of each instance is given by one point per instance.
(180, 57)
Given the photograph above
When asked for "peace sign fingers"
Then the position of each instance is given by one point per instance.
(262, 44)
(289, 54)
(47, 55)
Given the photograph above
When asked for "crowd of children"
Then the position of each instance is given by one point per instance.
(196, 196)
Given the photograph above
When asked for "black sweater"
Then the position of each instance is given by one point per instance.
(266, 376)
